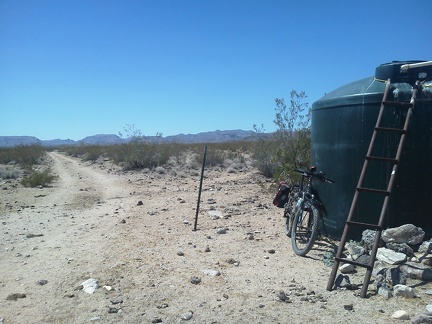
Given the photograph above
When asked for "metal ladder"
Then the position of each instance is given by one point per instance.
(350, 223)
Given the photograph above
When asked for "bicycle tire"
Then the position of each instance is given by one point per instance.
(305, 229)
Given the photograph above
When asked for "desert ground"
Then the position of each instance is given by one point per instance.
(133, 232)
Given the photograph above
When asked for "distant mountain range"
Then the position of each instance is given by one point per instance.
(217, 136)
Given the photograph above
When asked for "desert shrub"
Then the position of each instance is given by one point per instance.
(293, 134)
(38, 178)
(93, 152)
(160, 170)
(9, 173)
(264, 153)
(290, 146)
(24, 155)
(214, 157)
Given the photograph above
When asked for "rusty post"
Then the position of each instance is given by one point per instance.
(200, 188)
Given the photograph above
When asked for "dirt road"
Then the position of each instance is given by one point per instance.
(133, 233)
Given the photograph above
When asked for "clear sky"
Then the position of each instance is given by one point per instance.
(75, 68)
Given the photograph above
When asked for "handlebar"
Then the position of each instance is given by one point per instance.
(311, 174)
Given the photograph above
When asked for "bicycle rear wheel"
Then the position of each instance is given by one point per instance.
(304, 229)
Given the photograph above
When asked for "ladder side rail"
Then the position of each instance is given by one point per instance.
(387, 198)
(356, 194)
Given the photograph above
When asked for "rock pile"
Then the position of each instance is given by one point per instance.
(402, 255)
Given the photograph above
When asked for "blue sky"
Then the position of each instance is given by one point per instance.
(74, 68)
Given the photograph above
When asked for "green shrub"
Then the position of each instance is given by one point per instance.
(38, 178)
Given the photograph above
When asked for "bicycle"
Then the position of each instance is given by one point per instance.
(302, 209)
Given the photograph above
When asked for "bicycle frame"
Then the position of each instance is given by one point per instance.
(303, 210)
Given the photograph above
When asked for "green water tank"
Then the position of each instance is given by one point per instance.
(342, 125)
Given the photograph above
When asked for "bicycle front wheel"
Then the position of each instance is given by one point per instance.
(304, 229)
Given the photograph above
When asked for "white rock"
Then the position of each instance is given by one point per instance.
(390, 256)
(211, 272)
(215, 214)
(221, 230)
(429, 308)
(401, 314)
(90, 285)
(403, 291)
(186, 316)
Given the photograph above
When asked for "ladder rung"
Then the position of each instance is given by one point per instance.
(371, 226)
(360, 264)
(384, 192)
(384, 159)
(393, 130)
(397, 104)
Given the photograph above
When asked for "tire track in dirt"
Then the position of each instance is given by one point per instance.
(62, 237)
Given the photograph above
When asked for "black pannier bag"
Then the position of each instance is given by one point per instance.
(281, 197)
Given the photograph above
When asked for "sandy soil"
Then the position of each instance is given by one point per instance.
(147, 258)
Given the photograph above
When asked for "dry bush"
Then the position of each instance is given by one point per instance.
(38, 178)
(7, 172)
(24, 155)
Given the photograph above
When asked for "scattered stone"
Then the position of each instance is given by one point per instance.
(421, 318)
(90, 285)
(346, 268)
(195, 280)
(140, 203)
(416, 271)
(401, 315)
(401, 248)
(390, 277)
(113, 310)
(271, 251)
(164, 305)
(186, 316)
(368, 239)
(221, 230)
(354, 250)
(207, 249)
(157, 320)
(33, 235)
(390, 256)
(180, 253)
(123, 221)
(283, 297)
(342, 281)
(116, 300)
(385, 291)
(211, 272)
(109, 288)
(42, 282)
(425, 247)
(215, 214)
(15, 296)
(407, 233)
(69, 295)
(349, 307)
(403, 291)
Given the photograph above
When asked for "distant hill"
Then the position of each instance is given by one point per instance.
(217, 136)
